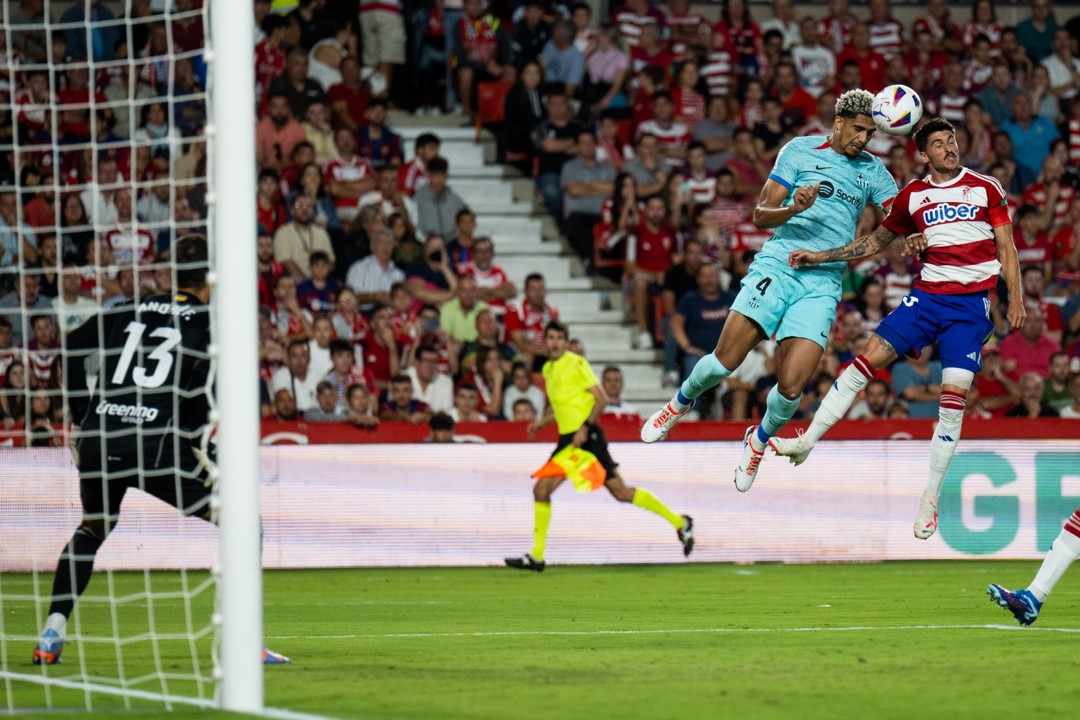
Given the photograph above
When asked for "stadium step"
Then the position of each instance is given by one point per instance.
(527, 240)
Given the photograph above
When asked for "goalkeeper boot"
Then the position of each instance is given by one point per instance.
(686, 535)
(526, 562)
(926, 520)
(269, 657)
(659, 425)
(795, 449)
(1021, 603)
(747, 471)
(49, 647)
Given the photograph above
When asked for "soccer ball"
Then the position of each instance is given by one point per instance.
(897, 110)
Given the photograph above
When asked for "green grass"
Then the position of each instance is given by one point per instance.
(896, 640)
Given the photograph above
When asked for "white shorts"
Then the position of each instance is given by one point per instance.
(383, 35)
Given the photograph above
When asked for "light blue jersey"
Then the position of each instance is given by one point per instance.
(847, 185)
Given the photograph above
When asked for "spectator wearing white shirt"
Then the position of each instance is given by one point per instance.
(815, 63)
(319, 347)
(466, 402)
(1072, 411)
(612, 382)
(372, 277)
(71, 308)
(521, 388)
(429, 385)
(98, 198)
(1064, 69)
(783, 21)
(296, 377)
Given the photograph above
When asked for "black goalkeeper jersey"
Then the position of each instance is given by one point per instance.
(138, 376)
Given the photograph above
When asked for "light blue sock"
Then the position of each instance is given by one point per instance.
(778, 410)
(707, 373)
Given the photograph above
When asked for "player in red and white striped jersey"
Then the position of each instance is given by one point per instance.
(958, 220)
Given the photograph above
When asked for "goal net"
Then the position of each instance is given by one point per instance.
(120, 133)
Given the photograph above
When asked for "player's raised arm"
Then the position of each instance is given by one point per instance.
(771, 211)
(863, 247)
(1010, 269)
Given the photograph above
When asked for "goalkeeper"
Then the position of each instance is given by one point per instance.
(576, 401)
(146, 426)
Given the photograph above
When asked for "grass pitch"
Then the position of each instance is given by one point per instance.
(896, 640)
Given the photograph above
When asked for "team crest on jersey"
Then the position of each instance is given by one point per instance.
(947, 213)
(862, 182)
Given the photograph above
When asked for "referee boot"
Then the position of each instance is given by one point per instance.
(525, 562)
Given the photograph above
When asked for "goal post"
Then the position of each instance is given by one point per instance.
(135, 635)
(230, 130)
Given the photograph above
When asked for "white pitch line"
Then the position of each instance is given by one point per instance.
(673, 631)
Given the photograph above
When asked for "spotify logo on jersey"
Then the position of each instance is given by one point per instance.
(825, 190)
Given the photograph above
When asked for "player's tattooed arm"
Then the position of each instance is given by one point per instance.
(863, 247)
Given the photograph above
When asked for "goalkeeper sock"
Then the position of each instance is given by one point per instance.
(707, 373)
(645, 499)
(73, 571)
(838, 400)
(1063, 552)
(542, 513)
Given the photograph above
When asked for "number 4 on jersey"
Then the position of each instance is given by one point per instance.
(763, 286)
(161, 355)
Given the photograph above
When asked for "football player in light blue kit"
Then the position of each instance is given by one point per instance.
(814, 198)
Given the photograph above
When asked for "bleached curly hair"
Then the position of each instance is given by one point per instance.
(854, 102)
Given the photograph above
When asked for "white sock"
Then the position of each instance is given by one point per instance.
(1063, 552)
(56, 622)
(838, 400)
(946, 437)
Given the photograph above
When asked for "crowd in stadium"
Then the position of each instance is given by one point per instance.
(649, 134)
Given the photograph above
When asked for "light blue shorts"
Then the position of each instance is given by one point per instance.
(789, 303)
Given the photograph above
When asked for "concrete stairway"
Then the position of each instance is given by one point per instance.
(527, 240)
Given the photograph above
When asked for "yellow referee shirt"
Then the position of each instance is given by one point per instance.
(568, 381)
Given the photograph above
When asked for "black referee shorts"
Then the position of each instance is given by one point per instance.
(596, 443)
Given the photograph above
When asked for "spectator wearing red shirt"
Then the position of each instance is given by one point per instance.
(886, 32)
(269, 268)
(1052, 194)
(348, 98)
(277, 134)
(689, 103)
(1034, 286)
(799, 105)
(482, 51)
(382, 351)
(925, 63)
(413, 174)
(348, 177)
(651, 50)
(649, 251)
(983, 22)
(732, 208)
(525, 323)
(1029, 350)
(944, 33)
(131, 244)
(995, 391)
(270, 55)
(292, 321)
(835, 28)
(871, 63)
(493, 285)
(719, 69)
(74, 104)
(1032, 241)
(735, 23)
(1065, 249)
(746, 166)
(687, 30)
(269, 205)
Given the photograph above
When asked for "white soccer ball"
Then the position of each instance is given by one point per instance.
(897, 110)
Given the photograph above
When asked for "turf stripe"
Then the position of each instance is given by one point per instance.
(674, 631)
